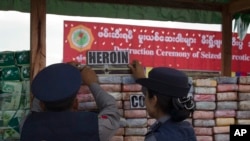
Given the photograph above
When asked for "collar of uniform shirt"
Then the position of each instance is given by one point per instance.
(163, 119)
(158, 123)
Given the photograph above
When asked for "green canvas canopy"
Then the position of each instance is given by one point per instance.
(130, 9)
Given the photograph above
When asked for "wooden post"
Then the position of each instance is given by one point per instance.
(226, 50)
(236, 6)
(37, 37)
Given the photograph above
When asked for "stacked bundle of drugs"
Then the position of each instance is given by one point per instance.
(226, 107)
(243, 113)
(218, 105)
(135, 114)
(203, 116)
(112, 85)
(14, 92)
(85, 99)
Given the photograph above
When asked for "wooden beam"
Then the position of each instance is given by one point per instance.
(226, 51)
(238, 6)
(182, 4)
(37, 36)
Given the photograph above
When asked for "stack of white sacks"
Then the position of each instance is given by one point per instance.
(14, 92)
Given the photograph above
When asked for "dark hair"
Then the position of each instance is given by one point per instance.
(170, 106)
(60, 105)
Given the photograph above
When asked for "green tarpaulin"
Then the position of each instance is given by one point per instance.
(62, 7)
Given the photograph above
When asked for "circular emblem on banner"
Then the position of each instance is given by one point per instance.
(80, 38)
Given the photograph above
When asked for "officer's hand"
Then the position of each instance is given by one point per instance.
(88, 76)
(137, 69)
(75, 64)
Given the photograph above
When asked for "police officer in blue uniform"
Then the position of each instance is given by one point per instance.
(166, 100)
(55, 118)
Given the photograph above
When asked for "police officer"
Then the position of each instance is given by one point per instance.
(166, 100)
(56, 87)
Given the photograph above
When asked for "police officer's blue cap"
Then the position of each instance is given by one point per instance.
(56, 82)
(166, 81)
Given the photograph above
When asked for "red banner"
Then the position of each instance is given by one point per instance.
(179, 48)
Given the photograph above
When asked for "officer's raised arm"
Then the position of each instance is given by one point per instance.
(108, 116)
